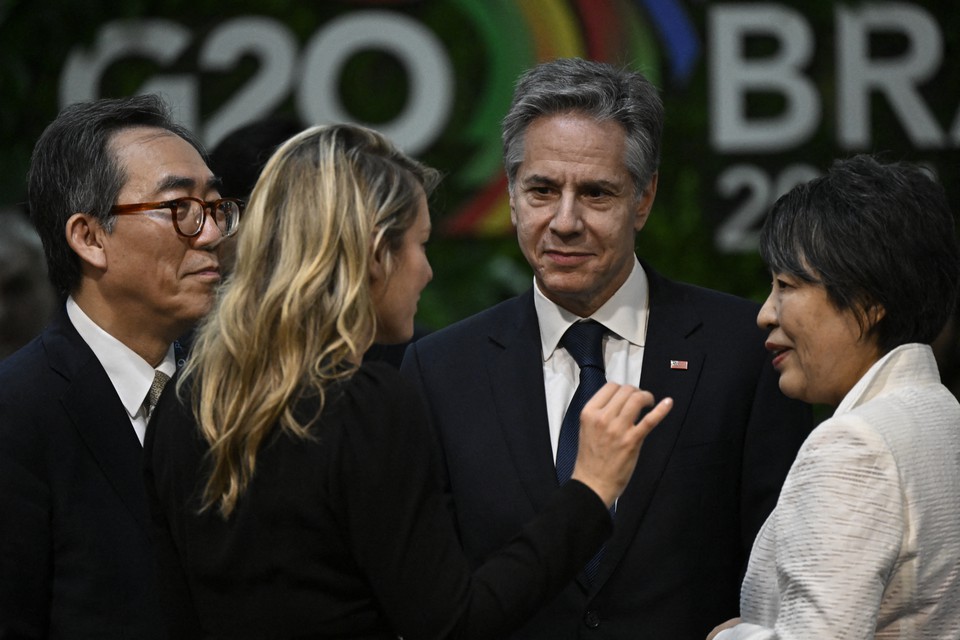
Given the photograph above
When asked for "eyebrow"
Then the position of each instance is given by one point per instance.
(603, 185)
(538, 179)
(170, 183)
(606, 185)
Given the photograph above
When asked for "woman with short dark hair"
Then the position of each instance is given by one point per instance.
(865, 539)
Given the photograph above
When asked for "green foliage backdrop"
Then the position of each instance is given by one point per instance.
(474, 272)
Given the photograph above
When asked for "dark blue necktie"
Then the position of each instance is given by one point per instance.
(583, 341)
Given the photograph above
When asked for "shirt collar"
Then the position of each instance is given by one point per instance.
(625, 313)
(130, 374)
(911, 362)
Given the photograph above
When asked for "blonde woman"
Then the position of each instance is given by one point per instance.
(294, 491)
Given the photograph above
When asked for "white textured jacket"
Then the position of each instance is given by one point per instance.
(865, 539)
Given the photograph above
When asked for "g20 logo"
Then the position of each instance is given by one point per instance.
(311, 74)
(458, 120)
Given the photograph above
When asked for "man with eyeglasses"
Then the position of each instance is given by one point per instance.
(132, 223)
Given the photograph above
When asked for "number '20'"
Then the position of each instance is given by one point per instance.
(313, 76)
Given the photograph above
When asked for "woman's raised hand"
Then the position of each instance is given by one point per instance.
(610, 437)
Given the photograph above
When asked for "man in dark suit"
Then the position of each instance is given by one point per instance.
(75, 557)
(581, 149)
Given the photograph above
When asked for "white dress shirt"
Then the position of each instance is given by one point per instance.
(864, 541)
(624, 315)
(130, 374)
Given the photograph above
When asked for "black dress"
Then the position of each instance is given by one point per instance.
(347, 534)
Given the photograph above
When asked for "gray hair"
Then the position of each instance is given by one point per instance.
(598, 90)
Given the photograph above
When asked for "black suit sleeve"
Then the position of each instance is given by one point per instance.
(25, 530)
(174, 591)
(347, 530)
(403, 538)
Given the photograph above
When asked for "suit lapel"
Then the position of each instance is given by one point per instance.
(515, 373)
(94, 409)
(671, 324)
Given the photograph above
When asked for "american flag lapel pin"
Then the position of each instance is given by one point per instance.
(679, 364)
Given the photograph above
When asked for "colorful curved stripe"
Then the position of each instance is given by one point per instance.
(508, 47)
(555, 29)
(677, 33)
(529, 31)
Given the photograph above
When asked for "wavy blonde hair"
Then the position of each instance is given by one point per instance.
(296, 313)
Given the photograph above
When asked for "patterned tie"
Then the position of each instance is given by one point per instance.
(583, 341)
(159, 382)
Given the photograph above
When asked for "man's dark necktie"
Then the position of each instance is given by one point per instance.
(583, 341)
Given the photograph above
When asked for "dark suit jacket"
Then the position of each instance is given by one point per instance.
(707, 477)
(344, 534)
(75, 557)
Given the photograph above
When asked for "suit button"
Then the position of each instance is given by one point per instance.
(591, 619)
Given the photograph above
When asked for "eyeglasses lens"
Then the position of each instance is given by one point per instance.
(190, 216)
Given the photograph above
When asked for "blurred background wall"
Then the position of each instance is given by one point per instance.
(759, 96)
